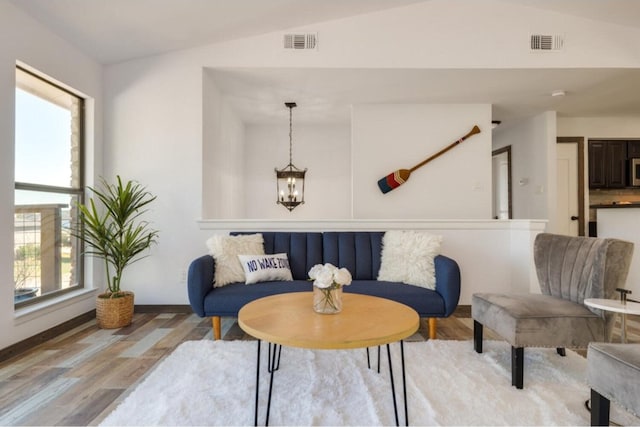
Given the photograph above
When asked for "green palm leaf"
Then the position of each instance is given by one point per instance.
(113, 230)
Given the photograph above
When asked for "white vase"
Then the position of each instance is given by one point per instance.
(328, 300)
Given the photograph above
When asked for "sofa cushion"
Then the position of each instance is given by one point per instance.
(425, 301)
(408, 257)
(225, 250)
(265, 268)
(228, 300)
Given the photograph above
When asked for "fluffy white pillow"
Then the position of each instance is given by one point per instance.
(265, 268)
(225, 250)
(407, 256)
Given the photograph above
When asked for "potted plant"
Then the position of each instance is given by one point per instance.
(112, 230)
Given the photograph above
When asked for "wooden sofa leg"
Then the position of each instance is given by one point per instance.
(216, 327)
(433, 326)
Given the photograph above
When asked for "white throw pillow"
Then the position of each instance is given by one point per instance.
(225, 250)
(408, 257)
(265, 268)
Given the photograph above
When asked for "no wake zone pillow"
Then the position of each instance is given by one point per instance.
(265, 268)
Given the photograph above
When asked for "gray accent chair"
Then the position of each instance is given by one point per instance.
(570, 269)
(613, 372)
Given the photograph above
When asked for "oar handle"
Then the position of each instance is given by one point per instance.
(473, 131)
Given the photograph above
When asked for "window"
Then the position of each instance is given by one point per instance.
(48, 185)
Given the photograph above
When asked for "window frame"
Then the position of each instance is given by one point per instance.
(78, 192)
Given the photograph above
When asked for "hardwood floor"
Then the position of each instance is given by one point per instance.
(80, 376)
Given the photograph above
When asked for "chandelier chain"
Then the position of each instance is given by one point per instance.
(290, 136)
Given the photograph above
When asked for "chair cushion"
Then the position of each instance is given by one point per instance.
(613, 370)
(532, 320)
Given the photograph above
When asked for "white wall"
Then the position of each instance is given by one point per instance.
(391, 137)
(325, 150)
(154, 105)
(533, 166)
(155, 136)
(24, 39)
(223, 160)
(600, 127)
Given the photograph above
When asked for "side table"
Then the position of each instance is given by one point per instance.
(616, 306)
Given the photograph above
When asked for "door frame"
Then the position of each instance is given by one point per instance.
(580, 141)
(507, 150)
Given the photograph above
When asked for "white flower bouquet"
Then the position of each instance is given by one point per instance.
(328, 281)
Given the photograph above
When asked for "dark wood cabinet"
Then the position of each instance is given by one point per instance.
(633, 149)
(607, 164)
(597, 164)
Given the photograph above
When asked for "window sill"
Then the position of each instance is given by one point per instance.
(26, 314)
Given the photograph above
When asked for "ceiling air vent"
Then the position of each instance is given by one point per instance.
(544, 42)
(301, 41)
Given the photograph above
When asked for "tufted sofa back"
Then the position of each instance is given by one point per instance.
(359, 252)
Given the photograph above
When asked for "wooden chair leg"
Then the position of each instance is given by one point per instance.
(433, 326)
(217, 331)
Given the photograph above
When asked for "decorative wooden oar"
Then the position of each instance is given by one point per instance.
(399, 177)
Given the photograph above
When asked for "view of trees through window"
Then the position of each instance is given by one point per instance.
(48, 185)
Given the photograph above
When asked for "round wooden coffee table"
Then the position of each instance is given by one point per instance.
(365, 321)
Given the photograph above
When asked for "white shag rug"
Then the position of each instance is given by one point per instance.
(448, 383)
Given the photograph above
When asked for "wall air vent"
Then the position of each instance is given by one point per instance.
(546, 43)
(301, 41)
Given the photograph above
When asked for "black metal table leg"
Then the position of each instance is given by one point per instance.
(273, 364)
(255, 418)
(369, 359)
(393, 388)
(404, 385)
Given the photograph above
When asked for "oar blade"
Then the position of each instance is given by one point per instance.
(393, 180)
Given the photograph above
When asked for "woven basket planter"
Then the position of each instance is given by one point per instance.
(113, 313)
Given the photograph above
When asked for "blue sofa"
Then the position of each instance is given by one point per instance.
(359, 252)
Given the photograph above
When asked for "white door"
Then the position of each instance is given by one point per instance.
(500, 194)
(567, 203)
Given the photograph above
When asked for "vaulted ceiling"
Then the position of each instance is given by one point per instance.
(113, 31)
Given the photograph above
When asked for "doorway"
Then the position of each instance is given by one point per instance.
(570, 190)
(501, 206)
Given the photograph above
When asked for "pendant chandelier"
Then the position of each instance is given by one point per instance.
(290, 179)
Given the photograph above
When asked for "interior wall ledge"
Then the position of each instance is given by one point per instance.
(370, 224)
